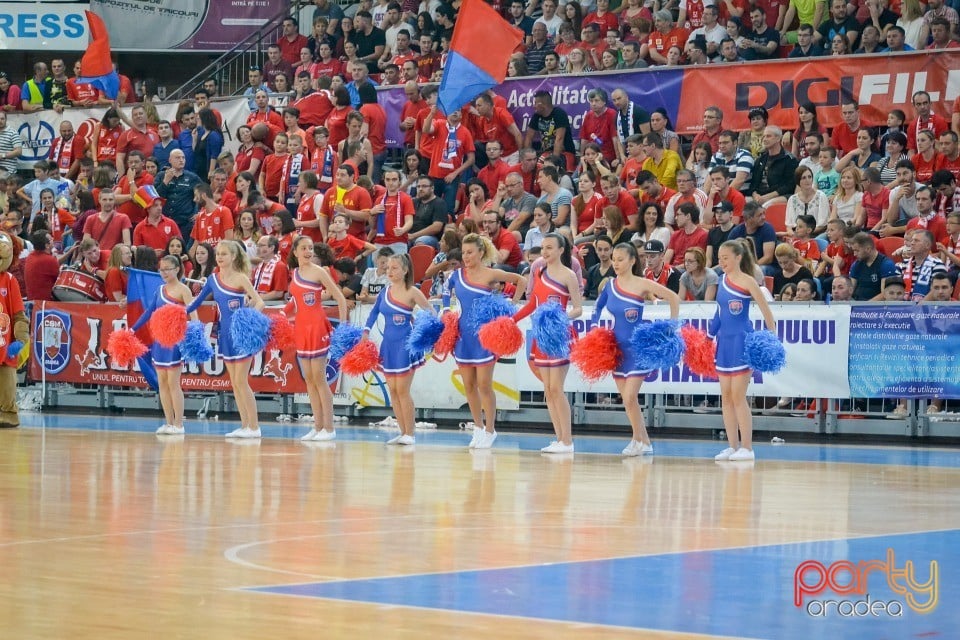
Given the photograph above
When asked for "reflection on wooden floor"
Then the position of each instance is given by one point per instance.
(123, 535)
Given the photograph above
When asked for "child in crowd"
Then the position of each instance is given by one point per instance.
(375, 278)
(827, 178)
(803, 242)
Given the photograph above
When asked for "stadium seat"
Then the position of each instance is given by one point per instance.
(888, 245)
(425, 286)
(777, 216)
(421, 255)
(768, 283)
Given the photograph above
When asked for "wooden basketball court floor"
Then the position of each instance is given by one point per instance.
(108, 531)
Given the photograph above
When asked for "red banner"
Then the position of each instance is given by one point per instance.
(69, 345)
(878, 83)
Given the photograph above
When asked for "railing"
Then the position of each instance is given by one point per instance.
(230, 69)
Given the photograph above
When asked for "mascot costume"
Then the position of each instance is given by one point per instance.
(14, 332)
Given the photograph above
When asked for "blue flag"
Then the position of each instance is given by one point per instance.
(142, 287)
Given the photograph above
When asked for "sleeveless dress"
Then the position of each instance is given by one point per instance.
(545, 289)
(730, 325)
(229, 301)
(312, 327)
(163, 357)
(627, 311)
(467, 351)
(395, 359)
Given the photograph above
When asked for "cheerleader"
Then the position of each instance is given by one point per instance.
(312, 334)
(168, 361)
(230, 288)
(730, 326)
(396, 303)
(555, 282)
(623, 298)
(475, 280)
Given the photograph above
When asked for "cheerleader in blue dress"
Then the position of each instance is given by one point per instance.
(231, 288)
(730, 326)
(396, 303)
(168, 360)
(623, 298)
(475, 280)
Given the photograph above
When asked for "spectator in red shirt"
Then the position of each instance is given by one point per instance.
(496, 123)
(689, 234)
(392, 217)
(453, 154)
(925, 120)
(139, 137)
(408, 115)
(600, 127)
(156, 229)
(509, 254)
(347, 198)
(134, 179)
(271, 277)
(41, 268)
(664, 36)
(109, 227)
(844, 136)
(616, 196)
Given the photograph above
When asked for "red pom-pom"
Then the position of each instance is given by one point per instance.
(451, 333)
(281, 333)
(362, 358)
(168, 325)
(596, 354)
(501, 336)
(701, 352)
(124, 347)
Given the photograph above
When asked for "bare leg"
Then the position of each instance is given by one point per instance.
(737, 419)
(469, 377)
(176, 397)
(629, 389)
(406, 413)
(239, 372)
(557, 403)
(488, 399)
(166, 400)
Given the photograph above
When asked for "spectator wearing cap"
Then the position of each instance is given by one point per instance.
(761, 42)
(720, 232)
(657, 268)
(764, 237)
(721, 190)
(9, 94)
(774, 171)
(689, 234)
(156, 229)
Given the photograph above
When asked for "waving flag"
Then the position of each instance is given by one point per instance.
(141, 291)
(96, 66)
(479, 52)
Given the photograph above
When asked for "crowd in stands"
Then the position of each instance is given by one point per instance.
(867, 211)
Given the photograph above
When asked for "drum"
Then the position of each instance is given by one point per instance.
(78, 286)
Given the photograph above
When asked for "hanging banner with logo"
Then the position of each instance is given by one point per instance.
(30, 26)
(902, 351)
(38, 130)
(879, 83)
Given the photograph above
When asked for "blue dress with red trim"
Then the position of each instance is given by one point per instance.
(163, 357)
(730, 325)
(545, 289)
(395, 359)
(229, 301)
(627, 311)
(467, 350)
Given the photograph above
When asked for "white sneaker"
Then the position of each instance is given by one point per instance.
(248, 433)
(310, 435)
(741, 455)
(174, 431)
(162, 430)
(235, 433)
(645, 449)
(725, 454)
(632, 449)
(549, 447)
(324, 435)
(406, 439)
(558, 447)
(485, 441)
(477, 432)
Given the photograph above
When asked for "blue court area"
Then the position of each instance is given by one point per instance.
(734, 593)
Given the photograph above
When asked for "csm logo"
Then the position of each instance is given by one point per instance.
(37, 139)
(52, 342)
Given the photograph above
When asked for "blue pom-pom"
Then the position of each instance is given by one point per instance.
(250, 331)
(424, 333)
(487, 308)
(13, 349)
(551, 330)
(344, 337)
(195, 346)
(657, 344)
(763, 352)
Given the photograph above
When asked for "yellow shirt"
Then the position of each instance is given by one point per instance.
(666, 169)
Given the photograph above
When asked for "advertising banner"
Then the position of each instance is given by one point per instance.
(30, 26)
(815, 338)
(902, 351)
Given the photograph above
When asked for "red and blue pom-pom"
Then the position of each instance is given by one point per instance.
(125, 347)
(424, 333)
(281, 333)
(196, 346)
(764, 352)
(250, 330)
(551, 330)
(168, 325)
(656, 345)
(488, 308)
(449, 336)
(596, 354)
(345, 336)
(362, 358)
(700, 355)
(501, 336)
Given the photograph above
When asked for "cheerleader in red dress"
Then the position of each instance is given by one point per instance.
(312, 333)
(555, 282)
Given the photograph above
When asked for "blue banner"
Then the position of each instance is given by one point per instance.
(899, 351)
